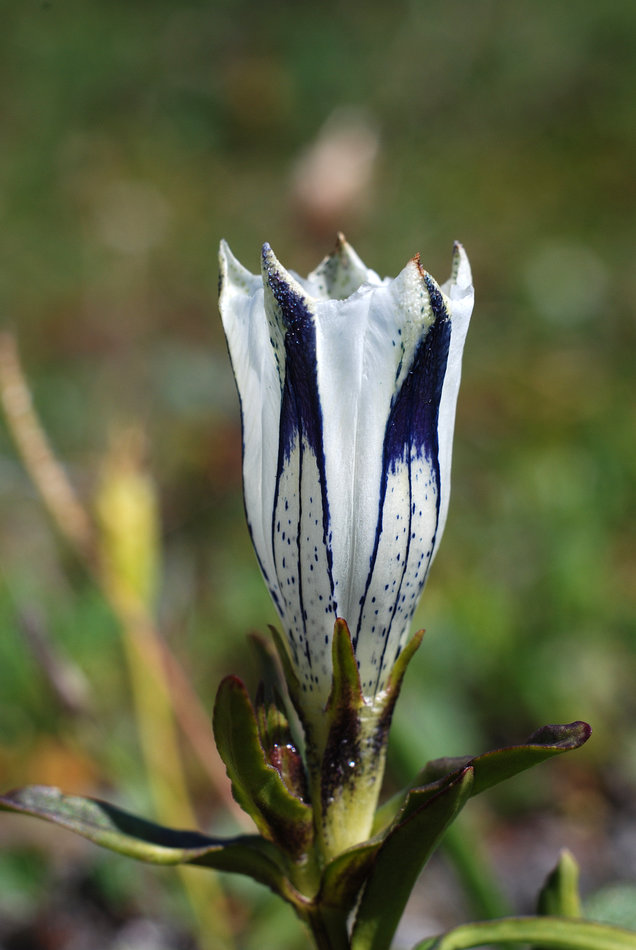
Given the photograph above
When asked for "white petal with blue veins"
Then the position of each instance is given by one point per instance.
(348, 385)
(460, 290)
(256, 364)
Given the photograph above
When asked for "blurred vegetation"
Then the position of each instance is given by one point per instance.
(135, 135)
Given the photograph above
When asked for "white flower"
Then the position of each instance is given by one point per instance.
(348, 385)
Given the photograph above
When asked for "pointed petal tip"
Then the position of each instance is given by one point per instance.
(342, 247)
(461, 276)
(234, 278)
(278, 281)
(414, 264)
(269, 261)
(225, 262)
(431, 285)
(224, 257)
(344, 250)
(425, 276)
(224, 252)
(272, 270)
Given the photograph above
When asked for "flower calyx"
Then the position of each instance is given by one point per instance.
(263, 767)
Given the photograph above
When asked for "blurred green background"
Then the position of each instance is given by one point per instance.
(135, 135)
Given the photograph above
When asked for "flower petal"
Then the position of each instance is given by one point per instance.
(461, 292)
(381, 357)
(300, 532)
(339, 274)
(258, 363)
(348, 385)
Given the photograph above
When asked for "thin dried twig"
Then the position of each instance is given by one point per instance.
(76, 528)
(34, 449)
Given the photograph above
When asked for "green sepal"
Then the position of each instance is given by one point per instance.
(491, 767)
(127, 834)
(399, 860)
(559, 896)
(273, 727)
(560, 933)
(279, 745)
(292, 683)
(396, 676)
(256, 784)
(346, 692)
(341, 755)
(281, 742)
(268, 665)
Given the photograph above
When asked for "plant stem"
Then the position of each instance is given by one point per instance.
(328, 927)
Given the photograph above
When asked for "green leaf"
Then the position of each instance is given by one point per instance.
(545, 932)
(257, 786)
(500, 764)
(399, 860)
(118, 830)
(559, 896)
(492, 767)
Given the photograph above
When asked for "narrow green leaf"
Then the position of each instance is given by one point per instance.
(545, 932)
(401, 857)
(257, 785)
(500, 764)
(491, 767)
(119, 831)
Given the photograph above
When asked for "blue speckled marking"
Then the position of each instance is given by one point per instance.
(301, 413)
(411, 433)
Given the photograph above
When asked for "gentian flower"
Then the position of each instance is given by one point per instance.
(348, 385)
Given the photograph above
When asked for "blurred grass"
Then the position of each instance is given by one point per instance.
(135, 135)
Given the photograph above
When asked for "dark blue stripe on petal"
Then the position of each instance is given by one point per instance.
(301, 411)
(411, 430)
(413, 420)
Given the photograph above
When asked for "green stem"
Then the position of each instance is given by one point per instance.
(328, 928)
